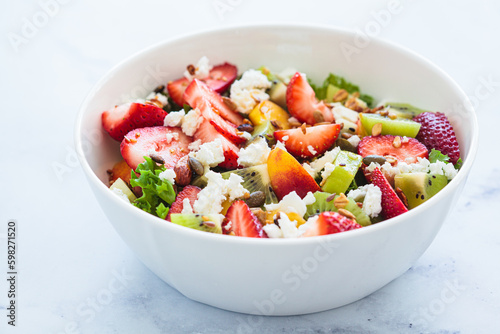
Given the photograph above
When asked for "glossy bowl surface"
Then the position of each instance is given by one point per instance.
(278, 277)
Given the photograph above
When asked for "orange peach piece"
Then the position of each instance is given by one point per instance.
(288, 175)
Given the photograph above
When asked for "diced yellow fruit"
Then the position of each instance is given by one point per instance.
(267, 110)
(291, 215)
(225, 206)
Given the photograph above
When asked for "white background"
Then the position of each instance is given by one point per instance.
(77, 276)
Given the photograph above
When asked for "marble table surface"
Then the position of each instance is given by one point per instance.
(77, 276)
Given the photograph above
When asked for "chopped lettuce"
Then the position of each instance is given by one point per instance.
(157, 194)
(436, 155)
(340, 83)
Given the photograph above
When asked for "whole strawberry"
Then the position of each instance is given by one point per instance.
(437, 133)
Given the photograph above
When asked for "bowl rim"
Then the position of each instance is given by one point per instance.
(386, 224)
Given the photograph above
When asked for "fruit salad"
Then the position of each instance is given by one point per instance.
(269, 154)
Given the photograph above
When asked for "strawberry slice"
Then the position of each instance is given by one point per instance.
(224, 127)
(129, 116)
(176, 90)
(330, 223)
(408, 151)
(219, 79)
(207, 133)
(302, 103)
(166, 143)
(241, 221)
(314, 142)
(392, 206)
(190, 192)
(197, 92)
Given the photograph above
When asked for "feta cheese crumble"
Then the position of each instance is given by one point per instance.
(209, 154)
(174, 118)
(191, 122)
(422, 165)
(371, 195)
(288, 227)
(195, 146)
(292, 203)
(168, 175)
(254, 154)
(201, 70)
(118, 192)
(311, 150)
(186, 206)
(218, 190)
(272, 231)
(329, 168)
(280, 145)
(172, 136)
(315, 167)
(249, 90)
(311, 221)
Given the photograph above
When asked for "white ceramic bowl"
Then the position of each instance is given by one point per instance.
(278, 277)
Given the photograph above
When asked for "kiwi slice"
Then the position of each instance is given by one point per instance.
(419, 187)
(200, 181)
(403, 110)
(206, 223)
(321, 205)
(396, 127)
(255, 178)
(265, 130)
(277, 94)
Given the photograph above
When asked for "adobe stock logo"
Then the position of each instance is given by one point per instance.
(31, 26)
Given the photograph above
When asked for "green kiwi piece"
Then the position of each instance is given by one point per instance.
(321, 205)
(396, 127)
(419, 187)
(403, 110)
(265, 130)
(200, 181)
(277, 94)
(206, 223)
(255, 178)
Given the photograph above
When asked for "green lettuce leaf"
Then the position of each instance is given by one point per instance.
(436, 155)
(157, 194)
(340, 83)
(162, 211)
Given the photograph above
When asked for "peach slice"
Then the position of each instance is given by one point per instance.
(288, 175)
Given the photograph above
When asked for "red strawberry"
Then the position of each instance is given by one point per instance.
(316, 141)
(197, 92)
(169, 144)
(190, 192)
(227, 129)
(207, 133)
(242, 222)
(330, 223)
(176, 90)
(302, 103)
(385, 145)
(219, 79)
(437, 133)
(391, 204)
(129, 116)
